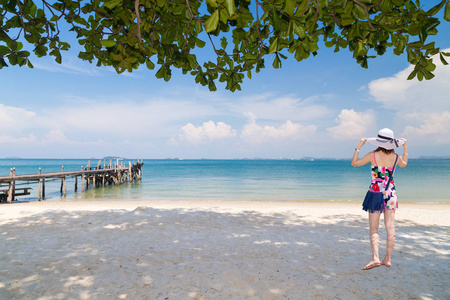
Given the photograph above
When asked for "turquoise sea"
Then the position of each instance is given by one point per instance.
(423, 180)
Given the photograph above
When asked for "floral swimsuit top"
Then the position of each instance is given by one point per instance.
(380, 178)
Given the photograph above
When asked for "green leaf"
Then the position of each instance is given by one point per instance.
(112, 3)
(444, 62)
(116, 57)
(223, 42)
(212, 3)
(231, 8)
(4, 50)
(436, 8)
(276, 20)
(289, 8)
(273, 46)
(178, 10)
(423, 35)
(33, 10)
(347, 21)
(58, 57)
(199, 43)
(412, 75)
(160, 73)
(276, 63)
(447, 12)
(299, 30)
(360, 50)
(2, 63)
(192, 62)
(420, 75)
(224, 16)
(302, 7)
(212, 22)
(150, 64)
(17, 46)
(108, 43)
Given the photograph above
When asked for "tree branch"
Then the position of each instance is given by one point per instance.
(366, 11)
(188, 26)
(136, 8)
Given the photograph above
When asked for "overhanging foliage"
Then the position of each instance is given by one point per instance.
(164, 34)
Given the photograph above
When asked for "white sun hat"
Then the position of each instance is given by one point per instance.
(386, 140)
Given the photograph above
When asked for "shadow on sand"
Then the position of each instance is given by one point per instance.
(153, 253)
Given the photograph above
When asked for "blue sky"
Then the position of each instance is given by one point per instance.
(320, 107)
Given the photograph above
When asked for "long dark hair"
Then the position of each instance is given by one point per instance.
(385, 151)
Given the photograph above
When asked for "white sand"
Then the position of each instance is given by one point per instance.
(217, 250)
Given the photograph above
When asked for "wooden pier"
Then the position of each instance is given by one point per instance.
(99, 175)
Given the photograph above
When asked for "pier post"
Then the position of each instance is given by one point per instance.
(103, 179)
(39, 189)
(94, 181)
(11, 186)
(81, 180)
(62, 182)
(10, 193)
(14, 185)
(39, 186)
(43, 188)
(129, 171)
(65, 186)
(76, 183)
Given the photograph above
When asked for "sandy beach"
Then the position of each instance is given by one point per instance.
(217, 250)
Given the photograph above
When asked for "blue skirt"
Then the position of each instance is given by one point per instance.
(373, 202)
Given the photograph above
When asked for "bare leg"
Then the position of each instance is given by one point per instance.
(389, 222)
(374, 221)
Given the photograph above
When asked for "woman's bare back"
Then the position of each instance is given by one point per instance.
(384, 160)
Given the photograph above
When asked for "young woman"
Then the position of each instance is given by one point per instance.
(382, 196)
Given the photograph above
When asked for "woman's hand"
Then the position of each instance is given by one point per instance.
(403, 161)
(404, 144)
(361, 143)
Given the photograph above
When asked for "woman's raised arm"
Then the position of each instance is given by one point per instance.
(356, 162)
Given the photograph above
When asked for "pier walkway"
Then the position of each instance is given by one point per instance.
(97, 175)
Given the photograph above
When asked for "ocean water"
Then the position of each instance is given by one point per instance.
(248, 180)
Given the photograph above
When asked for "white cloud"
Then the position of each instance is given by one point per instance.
(24, 140)
(352, 124)
(398, 93)
(421, 107)
(148, 118)
(433, 127)
(14, 119)
(281, 108)
(255, 133)
(67, 67)
(209, 131)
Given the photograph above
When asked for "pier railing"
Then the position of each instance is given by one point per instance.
(97, 175)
